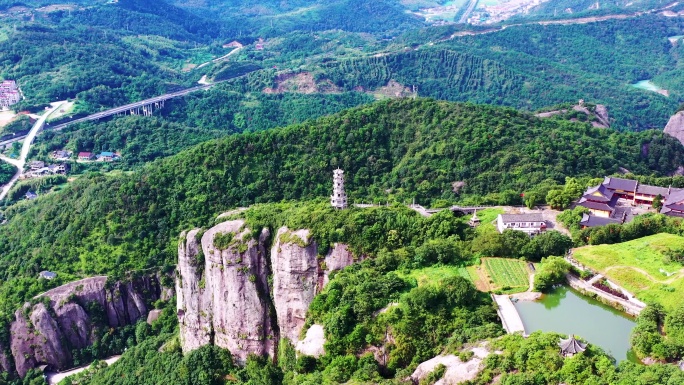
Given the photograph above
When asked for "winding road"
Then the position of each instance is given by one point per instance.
(26, 147)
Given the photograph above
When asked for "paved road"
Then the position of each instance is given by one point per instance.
(21, 162)
(55, 378)
(128, 107)
(468, 11)
(509, 315)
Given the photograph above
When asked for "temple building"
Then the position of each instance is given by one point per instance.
(571, 346)
(674, 204)
(338, 199)
(602, 200)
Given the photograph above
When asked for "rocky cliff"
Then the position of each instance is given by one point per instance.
(295, 279)
(63, 319)
(223, 292)
(675, 126)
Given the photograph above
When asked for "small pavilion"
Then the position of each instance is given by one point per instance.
(571, 346)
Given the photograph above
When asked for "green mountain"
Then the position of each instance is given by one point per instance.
(394, 150)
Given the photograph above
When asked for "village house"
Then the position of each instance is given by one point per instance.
(30, 195)
(9, 94)
(85, 156)
(61, 155)
(39, 168)
(36, 165)
(530, 224)
(107, 156)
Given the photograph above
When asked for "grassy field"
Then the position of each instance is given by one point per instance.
(433, 274)
(487, 218)
(640, 266)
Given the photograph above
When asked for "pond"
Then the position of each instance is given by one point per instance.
(566, 311)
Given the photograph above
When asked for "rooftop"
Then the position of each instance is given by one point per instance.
(511, 218)
(620, 184)
(572, 346)
(653, 190)
(594, 221)
(595, 206)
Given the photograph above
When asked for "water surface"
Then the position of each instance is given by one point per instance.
(568, 312)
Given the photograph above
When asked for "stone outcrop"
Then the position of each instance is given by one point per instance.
(313, 342)
(295, 279)
(67, 317)
(338, 258)
(675, 126)
(223, 295)
(457, 371)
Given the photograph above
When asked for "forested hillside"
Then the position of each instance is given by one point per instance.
(535, 66)
(394, 150)
(190, 120)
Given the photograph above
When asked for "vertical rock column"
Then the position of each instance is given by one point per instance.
(225, 299)
(295, 276)
(194, 321)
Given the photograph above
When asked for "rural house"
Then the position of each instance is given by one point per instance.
(530, 224)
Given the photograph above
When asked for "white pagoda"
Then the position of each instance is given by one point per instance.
(338, 199)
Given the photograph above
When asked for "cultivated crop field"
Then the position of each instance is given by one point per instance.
(507, 272)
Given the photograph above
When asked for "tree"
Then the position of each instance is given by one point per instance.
(658, 202)
(558, 199)
(547, 244)
(551, 272)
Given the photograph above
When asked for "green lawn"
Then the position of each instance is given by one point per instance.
(487, 218)
(507, 272)
(433, 274)
(640, 267)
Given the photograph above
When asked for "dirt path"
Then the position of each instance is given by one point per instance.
(648, 275)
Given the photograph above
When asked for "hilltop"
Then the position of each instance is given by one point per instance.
(394, 150)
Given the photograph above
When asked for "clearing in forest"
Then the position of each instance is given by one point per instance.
(643, 266)
(434, 274)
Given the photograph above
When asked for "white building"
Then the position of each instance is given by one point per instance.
(531, 224)
(338, 199)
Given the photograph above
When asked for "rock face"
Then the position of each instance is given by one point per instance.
(224, 297)
(295, 277)
(66, 317)
(675, 126)
(338, 258)
(457, 371)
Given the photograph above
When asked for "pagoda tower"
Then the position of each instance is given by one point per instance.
(338, 199)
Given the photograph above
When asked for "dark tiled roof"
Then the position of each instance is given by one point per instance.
(652, 190)
(676, 196)
(620, 184)
(594, 221)
(596, 206)
(512, 218)
(572, 346)
(606, 194)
